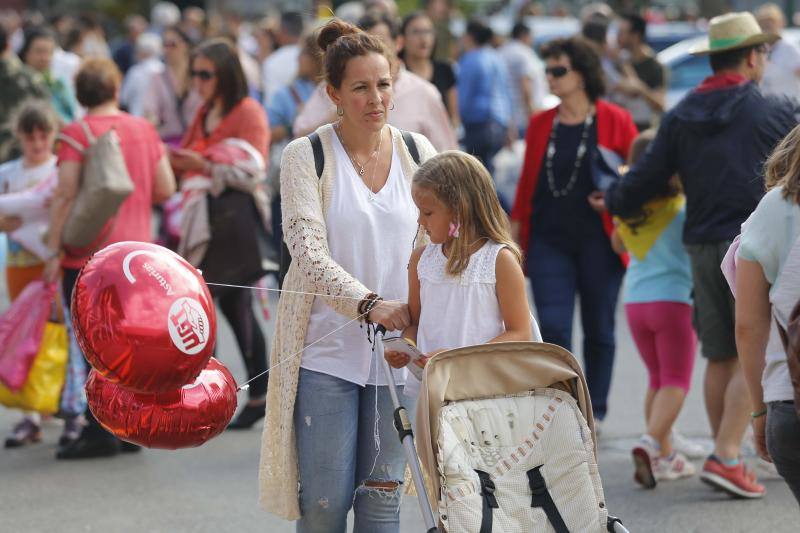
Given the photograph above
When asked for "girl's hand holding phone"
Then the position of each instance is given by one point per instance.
(396, 359)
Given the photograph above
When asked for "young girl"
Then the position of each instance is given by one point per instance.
(658, 305)
(467, 286)
(36, 126)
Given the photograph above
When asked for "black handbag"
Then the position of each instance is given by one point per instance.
(238, 250)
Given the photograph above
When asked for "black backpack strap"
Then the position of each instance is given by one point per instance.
(411, 144)
(541, 498)
(489, 501)
(319, 155)
(319, 166)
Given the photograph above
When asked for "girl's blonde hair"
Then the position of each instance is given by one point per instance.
(782, 168)
(464, 185)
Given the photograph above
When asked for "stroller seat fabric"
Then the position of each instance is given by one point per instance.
(519, 463)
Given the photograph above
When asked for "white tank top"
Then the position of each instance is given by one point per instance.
(371, 237)
(459, 310)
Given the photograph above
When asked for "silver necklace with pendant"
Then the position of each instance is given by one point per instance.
(362, 168)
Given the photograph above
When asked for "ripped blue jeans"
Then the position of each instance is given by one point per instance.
(340, 465)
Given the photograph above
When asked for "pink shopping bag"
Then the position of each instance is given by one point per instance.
(21, 330)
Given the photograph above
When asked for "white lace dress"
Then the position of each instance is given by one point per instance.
(459, 310)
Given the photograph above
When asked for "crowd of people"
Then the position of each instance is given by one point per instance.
(358, 138)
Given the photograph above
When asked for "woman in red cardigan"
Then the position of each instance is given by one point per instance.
(566, 241)
(235, 238)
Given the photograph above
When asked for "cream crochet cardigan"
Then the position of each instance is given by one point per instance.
(305, 200)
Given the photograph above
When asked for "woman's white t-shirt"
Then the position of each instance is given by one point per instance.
(770, 238)
(371, 236)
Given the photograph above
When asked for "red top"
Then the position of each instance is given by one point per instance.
(615, 131)
(247, 120)
(142, 149)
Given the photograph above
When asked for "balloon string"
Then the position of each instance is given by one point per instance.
(288, 291)
(246, 385)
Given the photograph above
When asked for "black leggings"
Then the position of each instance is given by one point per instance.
(237, 306)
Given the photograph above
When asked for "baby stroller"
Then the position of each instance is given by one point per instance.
(508, 430)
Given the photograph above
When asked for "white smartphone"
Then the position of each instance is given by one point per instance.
(406, 346)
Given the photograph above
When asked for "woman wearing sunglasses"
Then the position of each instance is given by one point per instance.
(222, 168)
(565, 239)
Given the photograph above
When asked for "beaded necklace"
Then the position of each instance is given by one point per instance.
(551, 152)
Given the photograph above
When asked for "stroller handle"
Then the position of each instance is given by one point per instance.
(614, 525)
(406, 436)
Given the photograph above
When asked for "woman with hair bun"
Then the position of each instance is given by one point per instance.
(350, 233)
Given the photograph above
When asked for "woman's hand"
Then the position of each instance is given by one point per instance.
(183, 160)
(616, 243)
(394, 316)
(598, 201)
(52, 269)
(396, 359)
(760, 437)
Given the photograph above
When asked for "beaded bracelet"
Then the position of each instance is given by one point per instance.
(372, 305)
(759, 414)
(363, 303)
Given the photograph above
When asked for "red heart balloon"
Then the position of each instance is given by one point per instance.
(143, 317)
(182, 418)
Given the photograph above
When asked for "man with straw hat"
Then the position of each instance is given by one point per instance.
(716, 139)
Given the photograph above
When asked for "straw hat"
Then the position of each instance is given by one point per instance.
(732, 31)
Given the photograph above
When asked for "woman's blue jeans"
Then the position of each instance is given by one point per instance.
(339, 458)
(594, 273)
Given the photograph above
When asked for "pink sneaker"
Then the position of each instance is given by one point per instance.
(735, 480)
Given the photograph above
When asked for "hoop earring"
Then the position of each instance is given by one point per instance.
(339, 111)
(392, 108)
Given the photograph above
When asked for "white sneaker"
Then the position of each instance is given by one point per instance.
(765, 469)
(691, 448)
(676, 467)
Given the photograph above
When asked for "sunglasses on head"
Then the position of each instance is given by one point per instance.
(556, 72)
(204, 75)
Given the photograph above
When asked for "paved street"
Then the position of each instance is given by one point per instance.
(214, 488)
